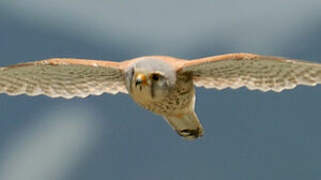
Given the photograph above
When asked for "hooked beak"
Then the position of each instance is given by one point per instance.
(141, 79)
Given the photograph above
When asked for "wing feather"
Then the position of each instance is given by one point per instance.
(61, 77)
(253, 71)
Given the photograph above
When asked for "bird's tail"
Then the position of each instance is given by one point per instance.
(186, 125)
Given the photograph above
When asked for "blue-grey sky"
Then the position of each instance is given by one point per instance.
(248, 134)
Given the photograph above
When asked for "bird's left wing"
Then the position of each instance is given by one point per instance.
(63, 77)
(252, 71)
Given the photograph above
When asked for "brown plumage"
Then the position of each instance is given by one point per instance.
(161, 84)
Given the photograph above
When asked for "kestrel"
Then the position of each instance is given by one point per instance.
(161, 84)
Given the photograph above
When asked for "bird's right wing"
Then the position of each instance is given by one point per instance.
(252, 71)
(62, 77)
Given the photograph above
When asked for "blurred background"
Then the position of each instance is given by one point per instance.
(248, 134)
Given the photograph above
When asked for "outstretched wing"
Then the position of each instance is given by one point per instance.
(253, 71)
(62, 77)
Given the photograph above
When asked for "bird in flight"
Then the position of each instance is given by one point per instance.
(161, 84)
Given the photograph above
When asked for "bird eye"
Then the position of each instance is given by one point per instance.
(155, 77)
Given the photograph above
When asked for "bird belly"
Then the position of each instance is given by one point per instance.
(176, 102)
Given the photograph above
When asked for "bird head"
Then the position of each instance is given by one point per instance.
(150, 78)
